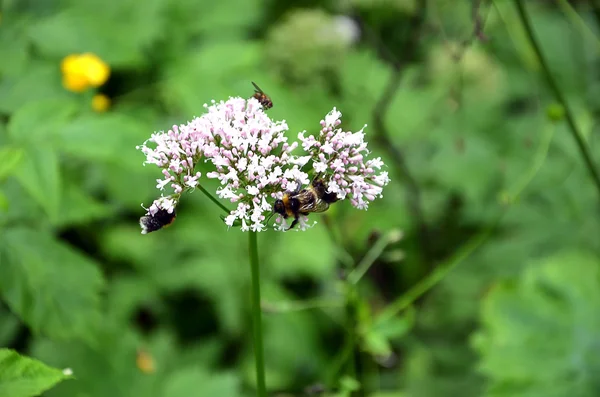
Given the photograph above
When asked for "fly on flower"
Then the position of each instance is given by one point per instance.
(250, 156)
(314, 198)
(261, 97)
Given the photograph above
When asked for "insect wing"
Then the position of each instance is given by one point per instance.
(317, 205)
(257, 88)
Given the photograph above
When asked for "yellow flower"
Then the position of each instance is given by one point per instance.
(100, 103)
(96, 70)
(69, 64)
(75, 82)
(81, 71)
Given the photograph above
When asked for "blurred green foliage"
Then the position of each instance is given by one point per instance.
(22, 377)
(167, 314)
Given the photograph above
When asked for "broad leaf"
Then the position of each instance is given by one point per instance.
(82, 28)
(9, 159)
(541, 335)
(38, 121)
(109, 138)
(51, 287)
(25, 377)
(79, 207)
(39, 174)
(38, 81)
(197, 382)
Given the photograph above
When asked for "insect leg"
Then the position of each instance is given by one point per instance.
(295, 222)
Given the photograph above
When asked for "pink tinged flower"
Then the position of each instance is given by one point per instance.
(230, 219)
(160, 214)
(161, 183)
(320, 166)
(249, 159)
(163, 203)
(339, 158)
(254, 164)
(300, 161)
(333, 118)
(282, 224)
(327, 148)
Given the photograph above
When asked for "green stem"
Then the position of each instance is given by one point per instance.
(213, 199)
(578, 21)
(352, 320)
(558, 95)
(371, 256)
(257, 316)
(437, 275)
(296, 306)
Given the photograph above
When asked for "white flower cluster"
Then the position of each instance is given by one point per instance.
(339, 159)
(253, 162)
(251, 157)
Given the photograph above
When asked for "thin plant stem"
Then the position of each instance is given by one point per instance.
(437, 275)
(296, 306)
(336, 366)
(414, 293)
(371, 256)
(595, 4)
(351, 319)
(577, 135)
(257, 316)
(578, 21)
(213, 199)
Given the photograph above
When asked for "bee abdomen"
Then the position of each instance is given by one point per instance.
(294, 205)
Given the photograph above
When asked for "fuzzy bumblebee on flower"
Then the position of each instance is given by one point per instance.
(260, 174)
(257, 167)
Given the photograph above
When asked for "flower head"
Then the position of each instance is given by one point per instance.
(252, 162)
(249, 153)
(339, 158)
(177, 152)
(251, 158)
(81, 71)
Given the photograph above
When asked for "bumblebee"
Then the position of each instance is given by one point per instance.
(304, 201)
(152, 223)
(261, 97)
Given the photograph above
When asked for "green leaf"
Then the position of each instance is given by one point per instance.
(3, 203)
(376, 344)
(38, 81)
(40, 176)
(79, 207)
(24, 377)
(13, 44)
(292, 257)
(349, 384)
(110, 138)
(9, 159)
(82, 28)
(184, 78)
(106, 370)
(9, 326)
(184, 383)
(51, 287)
(541, 335)
(378, 334)
(37, 122)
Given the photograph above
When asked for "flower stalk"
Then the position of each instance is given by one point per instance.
(257, 316)
(213, 199)
(553, 85)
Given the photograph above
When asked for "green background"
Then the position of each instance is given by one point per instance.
(486, 181)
